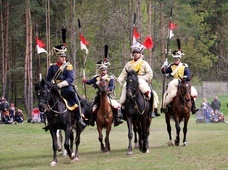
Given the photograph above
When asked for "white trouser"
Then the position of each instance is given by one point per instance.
(114, 104)
(172, 91)
(143, 87)
(156, 100)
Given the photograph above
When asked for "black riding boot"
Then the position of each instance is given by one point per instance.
(80, 121)
(46, 128)
(194, 109)
(118, 117)
(155, 113)
(92, 119)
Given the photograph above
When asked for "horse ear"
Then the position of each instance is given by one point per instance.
(190, 78)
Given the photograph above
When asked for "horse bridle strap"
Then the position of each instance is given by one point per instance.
(136, 105)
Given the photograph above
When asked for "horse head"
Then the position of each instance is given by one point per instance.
(184, 88)
(103, 85)
(132, 86)
(43, 94)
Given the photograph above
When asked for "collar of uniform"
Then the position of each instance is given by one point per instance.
(59, 63)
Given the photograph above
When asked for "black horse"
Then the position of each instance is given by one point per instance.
(59, 117)
(137, 111)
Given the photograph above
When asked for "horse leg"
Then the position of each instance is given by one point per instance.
(130, 134)
(185, 129)
(135, 129)
(59, 140)
(77, 142)
(144, 136)
(168, 126)
(107, 143)
(67, 142)
(177, 125)
(100, 138)
(54, 146)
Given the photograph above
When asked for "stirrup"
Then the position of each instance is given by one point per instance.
(81, 123)
(194, 111)
(117, 122)
(164, 109)
(46, 128)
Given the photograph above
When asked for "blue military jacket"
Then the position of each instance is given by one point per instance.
(67, 74)
(96, 80)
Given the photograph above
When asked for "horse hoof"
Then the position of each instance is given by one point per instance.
(170, 143)
(76, 159)
(129, 153)
(72, 156)
(53, 163)
(185, 144)
(64, 153)
(147, 151)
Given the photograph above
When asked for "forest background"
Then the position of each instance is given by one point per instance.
(202, 27)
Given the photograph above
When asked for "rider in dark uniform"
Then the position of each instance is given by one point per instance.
(64, 81)
(111, 86)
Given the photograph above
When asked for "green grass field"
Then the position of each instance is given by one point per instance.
(28, 147)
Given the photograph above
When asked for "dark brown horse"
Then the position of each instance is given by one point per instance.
(137, 111)
(180, 111)
(104, 116)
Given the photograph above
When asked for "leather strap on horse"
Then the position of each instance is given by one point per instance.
(59, 71)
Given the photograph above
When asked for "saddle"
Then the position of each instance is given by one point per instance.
(70, 104)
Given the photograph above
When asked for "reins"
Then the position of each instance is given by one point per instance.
(133, 96)
(50, 108)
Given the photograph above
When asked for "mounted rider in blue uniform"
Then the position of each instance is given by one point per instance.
(61, 73)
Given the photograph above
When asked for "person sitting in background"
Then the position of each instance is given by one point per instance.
(12, 112)
(4, 107)
(19, 117)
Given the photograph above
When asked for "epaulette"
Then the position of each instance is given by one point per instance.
(52, 64)
(69, 67)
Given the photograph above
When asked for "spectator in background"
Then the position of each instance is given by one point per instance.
(42, 117)
(4, 107)
(215, 104)
(19, 117)
(12, 112)
(206, 110)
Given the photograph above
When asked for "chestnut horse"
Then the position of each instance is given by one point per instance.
(104, 116)
(180, 111)
(137, 111)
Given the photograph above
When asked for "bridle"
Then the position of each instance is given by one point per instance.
(184, 88)
(103, 86)
(132, 90)
(45, 100)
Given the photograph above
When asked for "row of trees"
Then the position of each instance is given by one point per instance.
(201, 27)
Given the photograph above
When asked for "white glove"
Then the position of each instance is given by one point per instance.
(165, 64)
(63, 84)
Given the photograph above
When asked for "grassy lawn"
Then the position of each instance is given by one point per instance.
(27, 146)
